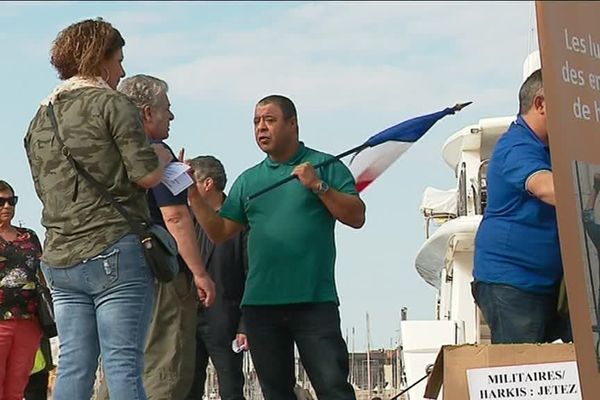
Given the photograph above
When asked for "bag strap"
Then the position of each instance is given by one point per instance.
(136, 226)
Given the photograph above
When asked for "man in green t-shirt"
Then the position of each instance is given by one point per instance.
(290, 295)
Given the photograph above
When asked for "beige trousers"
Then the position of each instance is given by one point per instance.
(169, 358)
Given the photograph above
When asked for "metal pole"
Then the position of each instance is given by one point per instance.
(368, 356)
(316, 166)
(352, 371)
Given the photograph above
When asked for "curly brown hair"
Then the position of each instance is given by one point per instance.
(81, 47)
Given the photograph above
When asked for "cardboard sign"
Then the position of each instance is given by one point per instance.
(453, 363)
(569, 35)
(551, 381)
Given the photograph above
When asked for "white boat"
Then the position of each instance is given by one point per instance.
(445, 260)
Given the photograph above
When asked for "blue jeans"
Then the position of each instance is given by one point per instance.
(102, 306)
(315, 328)
(516, 316)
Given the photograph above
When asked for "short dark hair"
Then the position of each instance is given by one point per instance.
(533, 86)
(6, 186)
(286, 105)
(209, 167)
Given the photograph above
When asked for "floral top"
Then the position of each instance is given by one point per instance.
(19, 262)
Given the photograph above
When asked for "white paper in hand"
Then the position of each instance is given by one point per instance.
(176, 178)
(236, 347)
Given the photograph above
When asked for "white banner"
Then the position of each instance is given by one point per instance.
(551, 381)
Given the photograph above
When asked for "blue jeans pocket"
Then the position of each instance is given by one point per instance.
(102, 271)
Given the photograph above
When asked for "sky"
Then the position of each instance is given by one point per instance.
(351, 68)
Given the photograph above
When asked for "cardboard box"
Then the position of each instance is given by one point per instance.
(526, 379)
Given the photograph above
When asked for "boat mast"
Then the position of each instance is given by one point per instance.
(352, 372)
(368, 356)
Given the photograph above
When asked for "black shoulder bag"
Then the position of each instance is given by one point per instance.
(160, 249)
(45, 309)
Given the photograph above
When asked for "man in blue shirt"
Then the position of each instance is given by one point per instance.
(169, 356)
(518, 266)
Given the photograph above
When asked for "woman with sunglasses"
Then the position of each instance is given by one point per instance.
(20, 332)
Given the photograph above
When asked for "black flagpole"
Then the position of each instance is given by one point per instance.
(319, 165)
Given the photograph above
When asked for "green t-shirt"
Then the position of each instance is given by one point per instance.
(291, 243)
(104, 131)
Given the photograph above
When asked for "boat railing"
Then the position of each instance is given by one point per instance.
(481, 202)
(462, 191)
(437, 217)
(472, 193)
(438, 206)
(470, 198)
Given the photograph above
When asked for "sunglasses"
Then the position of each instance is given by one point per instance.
(12, 201)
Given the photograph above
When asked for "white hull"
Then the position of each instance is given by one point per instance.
(445, 260)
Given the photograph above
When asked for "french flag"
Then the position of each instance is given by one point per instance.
(369, 162)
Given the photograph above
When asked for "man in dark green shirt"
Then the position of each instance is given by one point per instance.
(290, 295)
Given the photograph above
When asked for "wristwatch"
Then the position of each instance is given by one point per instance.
(321, 188)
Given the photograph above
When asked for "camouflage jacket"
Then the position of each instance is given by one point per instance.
(104, 131)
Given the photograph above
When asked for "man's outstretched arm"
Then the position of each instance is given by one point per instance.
(217, 228)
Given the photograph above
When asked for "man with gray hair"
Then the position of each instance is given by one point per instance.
(169, 354)
(221, 324)
(518, 265)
